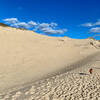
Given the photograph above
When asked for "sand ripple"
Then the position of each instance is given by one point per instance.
(68, 86)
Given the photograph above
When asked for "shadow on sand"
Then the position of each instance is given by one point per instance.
(83, 74)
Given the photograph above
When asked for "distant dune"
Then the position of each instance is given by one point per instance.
(26, 56)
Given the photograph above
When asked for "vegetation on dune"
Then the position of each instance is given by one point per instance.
(4, 25)
(22, 28)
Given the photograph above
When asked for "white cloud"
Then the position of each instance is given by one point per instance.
(46, 25)
(53, 24)
(50, 28)
(97, 23)
(43, 25)
(11, 20)
(95, 30)
(21, 25)
(16, 23)
(32, 23)
(87, 24)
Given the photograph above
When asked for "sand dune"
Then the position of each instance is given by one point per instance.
(26, 57)
(76, 84)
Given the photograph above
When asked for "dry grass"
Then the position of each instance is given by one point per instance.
(21, 28)
(3, 25)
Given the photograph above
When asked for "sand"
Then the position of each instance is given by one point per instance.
(38, 67)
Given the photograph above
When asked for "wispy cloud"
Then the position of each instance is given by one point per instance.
(32, 23)
(94, 27)
(97, 23)
(95, 30)
(16, 23)
(11, 20)
(90, 24)
(21, 25)
(87, 24)
(25, 25)
(48, 28)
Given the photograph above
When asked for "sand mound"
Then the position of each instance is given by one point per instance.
(26, 56)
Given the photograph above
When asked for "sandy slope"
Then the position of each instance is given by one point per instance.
(26, 56)
(76, 84)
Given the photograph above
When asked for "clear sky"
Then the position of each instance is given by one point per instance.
(73, 18)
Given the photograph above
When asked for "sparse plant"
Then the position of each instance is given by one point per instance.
(3, 25)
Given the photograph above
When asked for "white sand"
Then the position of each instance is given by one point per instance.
(26, 56)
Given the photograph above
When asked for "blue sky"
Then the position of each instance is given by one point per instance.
(73, 18)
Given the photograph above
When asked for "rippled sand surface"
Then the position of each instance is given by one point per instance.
(77, 84)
